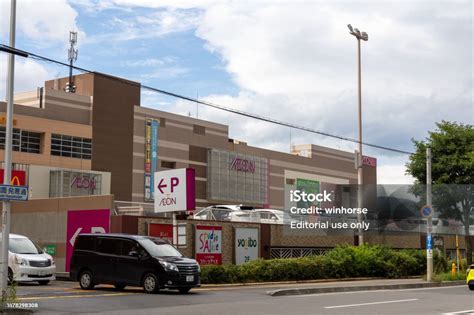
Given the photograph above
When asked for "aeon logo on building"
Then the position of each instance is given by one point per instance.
(84, 182)
(242, 165)
(168, 201)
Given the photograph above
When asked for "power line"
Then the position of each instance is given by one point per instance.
(197, 101)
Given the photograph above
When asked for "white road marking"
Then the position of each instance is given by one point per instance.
(372, 303)
(371, 291)
(467, 312)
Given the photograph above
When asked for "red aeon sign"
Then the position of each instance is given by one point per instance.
(163, 231)
(369, 161)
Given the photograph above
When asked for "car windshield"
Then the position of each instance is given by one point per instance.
(23, 246)
(158, 249)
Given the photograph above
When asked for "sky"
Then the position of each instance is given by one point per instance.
(293, 61)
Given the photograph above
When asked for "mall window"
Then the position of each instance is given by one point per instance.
(168, 164)
(200, 130)
(22, 140)
(69, 146)
(162, 122)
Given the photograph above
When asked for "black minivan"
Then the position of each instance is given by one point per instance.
(123, 259)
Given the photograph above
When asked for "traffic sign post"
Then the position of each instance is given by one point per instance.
(427, 211)
(429, 245)
(13, 193)
(175, 191)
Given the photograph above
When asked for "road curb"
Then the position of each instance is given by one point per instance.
(64, 276)
(303, 291)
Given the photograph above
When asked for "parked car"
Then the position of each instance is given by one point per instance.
(27, 262)
(123, 259)
(470, 277)
(225, 213)
(272, 216)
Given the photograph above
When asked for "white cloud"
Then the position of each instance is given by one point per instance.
(154, 24)
(299, 62)
(165, 72)
(149, 62)
(42, 23)
(38, 25)
(29, 75)
(393, 175)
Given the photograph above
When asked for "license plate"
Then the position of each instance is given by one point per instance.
(41, 273)
(189, 278)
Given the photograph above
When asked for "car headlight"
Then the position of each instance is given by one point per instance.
(21, 261)
(199, 268)
(169, 266)
(51, 262)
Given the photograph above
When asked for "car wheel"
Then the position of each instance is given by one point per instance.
(184, 290)
(119, 287)
(43, 282)
(10, 276)
(86, 281)
(471, 287)
(150, 283)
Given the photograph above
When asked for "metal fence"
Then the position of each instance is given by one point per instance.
(295, 252)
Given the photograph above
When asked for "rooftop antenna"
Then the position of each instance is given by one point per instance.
(72, 57)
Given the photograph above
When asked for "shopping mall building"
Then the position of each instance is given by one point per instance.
(92, 152)
(99, 140)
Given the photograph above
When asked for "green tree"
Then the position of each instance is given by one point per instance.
(452, 149)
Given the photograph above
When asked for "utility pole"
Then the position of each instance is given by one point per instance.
(359, 36)
(6, 204)
(72, 57)
(429, 226)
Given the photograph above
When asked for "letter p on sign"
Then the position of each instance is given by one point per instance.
(175, 190)
(174, 183)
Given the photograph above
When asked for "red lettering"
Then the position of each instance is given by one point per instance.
(174, 183)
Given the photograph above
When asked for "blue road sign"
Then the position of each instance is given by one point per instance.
(10, 192)
(426, 211)
(429, 241)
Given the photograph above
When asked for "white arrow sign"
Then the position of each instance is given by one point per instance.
(73, 238)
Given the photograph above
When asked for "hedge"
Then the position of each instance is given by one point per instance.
(342, 262)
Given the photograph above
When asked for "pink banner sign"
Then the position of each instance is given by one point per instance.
(84, 221)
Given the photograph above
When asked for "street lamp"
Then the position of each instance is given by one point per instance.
(359, 36)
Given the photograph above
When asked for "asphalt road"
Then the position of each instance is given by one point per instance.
(66, 297)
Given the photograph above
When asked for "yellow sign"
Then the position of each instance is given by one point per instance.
(3, 121)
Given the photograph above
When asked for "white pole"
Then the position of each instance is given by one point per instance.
(8, 156)
(359, 170)
(175, 230)
(429, 226)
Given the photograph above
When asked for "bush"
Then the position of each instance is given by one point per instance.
(462, 263)
(447, 276)
(342, 262)
(440, 263)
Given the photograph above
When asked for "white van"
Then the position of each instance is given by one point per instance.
(27, 262)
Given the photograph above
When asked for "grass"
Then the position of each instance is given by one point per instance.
(447, 276)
